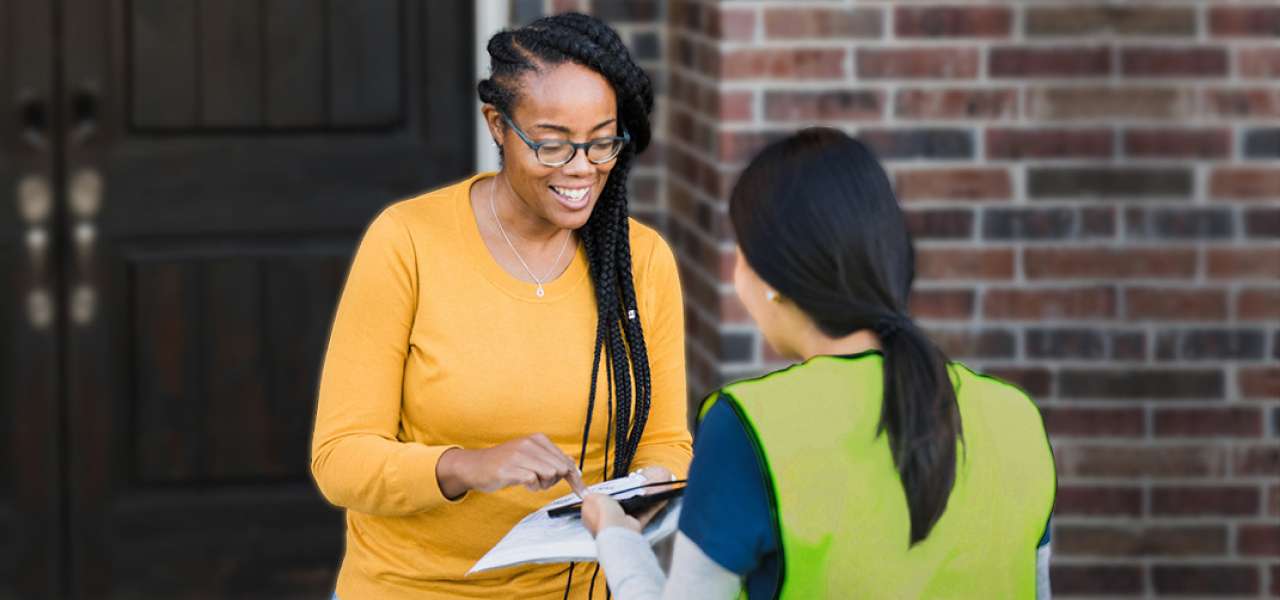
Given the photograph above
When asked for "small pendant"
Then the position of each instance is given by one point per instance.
(540, 292)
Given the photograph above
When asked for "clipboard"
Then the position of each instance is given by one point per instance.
(632, 505)
(540, 539)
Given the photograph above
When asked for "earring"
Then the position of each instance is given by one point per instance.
(771, 296)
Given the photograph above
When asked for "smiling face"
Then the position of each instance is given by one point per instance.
(566, 102)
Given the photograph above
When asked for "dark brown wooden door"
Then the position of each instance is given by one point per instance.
(214, 163)
(30, 413)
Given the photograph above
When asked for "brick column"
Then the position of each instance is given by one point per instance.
(1095, 194)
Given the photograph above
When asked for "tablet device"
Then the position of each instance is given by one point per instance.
(633, 506)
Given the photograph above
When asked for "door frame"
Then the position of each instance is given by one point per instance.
(490, 18)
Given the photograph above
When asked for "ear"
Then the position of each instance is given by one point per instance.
(493, 119)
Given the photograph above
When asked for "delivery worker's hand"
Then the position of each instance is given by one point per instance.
(600, 512)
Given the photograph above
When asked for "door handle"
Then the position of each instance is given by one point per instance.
(40, 308)
(35, 199)
(35, 204)
(85, 196)
(33, 121)
(84, 114)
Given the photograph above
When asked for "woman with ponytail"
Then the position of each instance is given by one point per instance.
(506, 337)
(872, 468)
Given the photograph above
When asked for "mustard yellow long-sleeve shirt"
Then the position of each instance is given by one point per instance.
(434, 345)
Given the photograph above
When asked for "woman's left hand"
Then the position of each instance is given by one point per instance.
(654, 474)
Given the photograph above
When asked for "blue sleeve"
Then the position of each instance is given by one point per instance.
(1048, 529)
(727, 511)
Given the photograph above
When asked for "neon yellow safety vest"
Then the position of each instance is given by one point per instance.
(839, 507)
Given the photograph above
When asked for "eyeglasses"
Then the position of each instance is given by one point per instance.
(558, 153)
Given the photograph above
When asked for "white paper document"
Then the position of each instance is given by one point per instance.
(539, 538)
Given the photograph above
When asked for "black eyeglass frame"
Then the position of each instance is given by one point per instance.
(625, 139)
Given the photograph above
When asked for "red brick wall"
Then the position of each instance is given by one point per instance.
(1095, 192)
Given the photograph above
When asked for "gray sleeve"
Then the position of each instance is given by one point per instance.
(629, 565)
(1042, 573)
(633, 572)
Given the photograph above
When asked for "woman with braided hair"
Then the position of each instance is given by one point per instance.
(504, 338)
(872, 468)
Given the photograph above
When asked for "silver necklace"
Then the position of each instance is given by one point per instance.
(540, 292)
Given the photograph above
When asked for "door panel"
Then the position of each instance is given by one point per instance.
(223, 159)
(364, 69)
(296, 63)
(232, 343)
(249, 64)
(231, 64)
(163, 49)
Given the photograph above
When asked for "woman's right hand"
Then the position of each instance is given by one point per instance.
(532, 461)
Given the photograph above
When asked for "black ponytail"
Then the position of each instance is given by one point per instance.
(589, 42)
(816, 218)
(923, 423)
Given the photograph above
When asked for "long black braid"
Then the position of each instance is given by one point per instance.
(587, 41)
